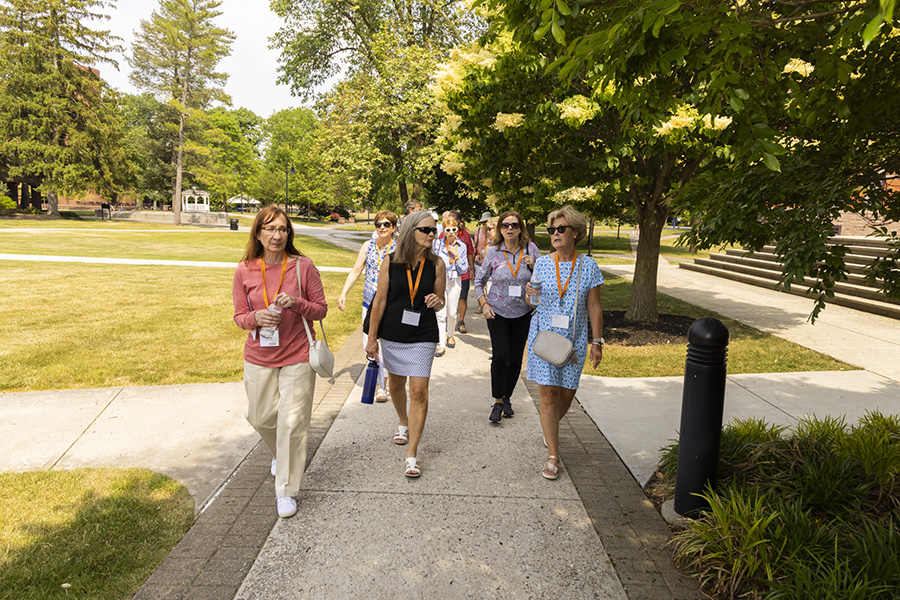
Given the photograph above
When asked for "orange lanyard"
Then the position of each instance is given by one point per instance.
(379, 255)
(449, 256)
(414, 290)
(562, 289)
(515, 271)
(262, 268)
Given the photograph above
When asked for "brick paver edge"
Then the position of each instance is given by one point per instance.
(632, 531)
(215, 555)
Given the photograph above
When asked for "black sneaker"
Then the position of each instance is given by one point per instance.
(507, 408)
(496, 412)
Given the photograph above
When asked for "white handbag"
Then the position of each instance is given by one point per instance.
(556, 348)
(321, 359)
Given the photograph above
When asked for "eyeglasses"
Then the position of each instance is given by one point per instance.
(509, 225)
(560, 228)
(451, 229)
(273, 230)
(426, 230)
(384, 224)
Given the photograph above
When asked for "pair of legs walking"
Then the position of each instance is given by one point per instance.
(279, 408)
(508, 340)
(555, 403)
(412, 418)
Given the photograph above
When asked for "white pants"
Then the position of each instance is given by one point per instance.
(279, 407)
(446, 317)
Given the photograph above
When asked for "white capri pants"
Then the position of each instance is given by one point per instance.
(279, 407)
(446, 317)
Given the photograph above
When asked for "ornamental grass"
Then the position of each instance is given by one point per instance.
(810, 512)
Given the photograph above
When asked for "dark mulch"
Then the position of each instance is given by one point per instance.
(669, 329)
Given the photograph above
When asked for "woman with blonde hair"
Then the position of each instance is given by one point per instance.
(277, 376)
(410, 290)
(507, 265)
(570, 299)
(452, 251)
(370, 257)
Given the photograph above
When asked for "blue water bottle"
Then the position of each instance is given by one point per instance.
(368, 395)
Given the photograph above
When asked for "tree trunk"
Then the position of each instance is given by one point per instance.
(52, 204)
(179, 160)
(404, 194)
(643, 304)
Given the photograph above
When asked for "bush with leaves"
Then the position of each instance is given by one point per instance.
(808, 513)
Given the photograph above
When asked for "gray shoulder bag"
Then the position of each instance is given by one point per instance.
(321, 358)
(553, 347)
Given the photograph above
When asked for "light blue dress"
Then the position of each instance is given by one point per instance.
(539, 370)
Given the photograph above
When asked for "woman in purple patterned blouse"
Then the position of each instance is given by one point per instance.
(507, 265)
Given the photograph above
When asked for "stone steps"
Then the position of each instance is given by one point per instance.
(764, 269)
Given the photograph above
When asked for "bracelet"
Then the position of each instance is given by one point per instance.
(598, 342)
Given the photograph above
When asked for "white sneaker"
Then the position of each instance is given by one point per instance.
(286, 505)
(272, 471)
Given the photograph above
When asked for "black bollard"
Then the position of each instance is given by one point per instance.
(702, 404)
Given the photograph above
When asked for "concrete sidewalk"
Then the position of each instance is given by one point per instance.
(480, 523)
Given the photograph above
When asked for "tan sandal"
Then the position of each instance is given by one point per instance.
(551, 471)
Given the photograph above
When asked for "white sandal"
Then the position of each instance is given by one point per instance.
(551, 471)
(381, 396)
(413, 469)
(402, 435)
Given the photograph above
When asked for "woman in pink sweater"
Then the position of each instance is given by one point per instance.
(277, 376)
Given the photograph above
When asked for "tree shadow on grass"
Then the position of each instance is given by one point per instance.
(92, 533)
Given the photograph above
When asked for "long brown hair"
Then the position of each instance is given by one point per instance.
(524, 240)
(265, 216)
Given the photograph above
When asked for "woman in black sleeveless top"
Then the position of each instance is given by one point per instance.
(410, 290)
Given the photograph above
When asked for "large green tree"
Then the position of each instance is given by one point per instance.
(750, 114)
(150, 143)
(58, 118)
(174, 56)
(292, 144)
(386, 49)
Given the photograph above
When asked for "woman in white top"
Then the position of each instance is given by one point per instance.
(453, 252)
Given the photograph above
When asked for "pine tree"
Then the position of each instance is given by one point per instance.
(174, 56)
(58, 119)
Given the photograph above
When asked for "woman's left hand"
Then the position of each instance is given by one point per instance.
(434, 301)
(529, 261)
(596, 354)
(284, 300)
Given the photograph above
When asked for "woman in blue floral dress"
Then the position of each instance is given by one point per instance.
(570, 298)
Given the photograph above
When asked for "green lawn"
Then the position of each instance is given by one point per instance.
(153, 241)
(88, 533)
(110, 325)
(749, 350)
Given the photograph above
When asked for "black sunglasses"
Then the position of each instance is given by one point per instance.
(509, 225)
(381, 224)
(426, 230)
(560, 228)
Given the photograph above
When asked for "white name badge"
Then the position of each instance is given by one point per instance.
(559, 321)
(411, 317)
(452, 276)
(268, 339)
(515, 291)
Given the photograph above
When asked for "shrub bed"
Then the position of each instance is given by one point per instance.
(811, 512)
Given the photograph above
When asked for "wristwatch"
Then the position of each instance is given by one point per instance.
(598, 342)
